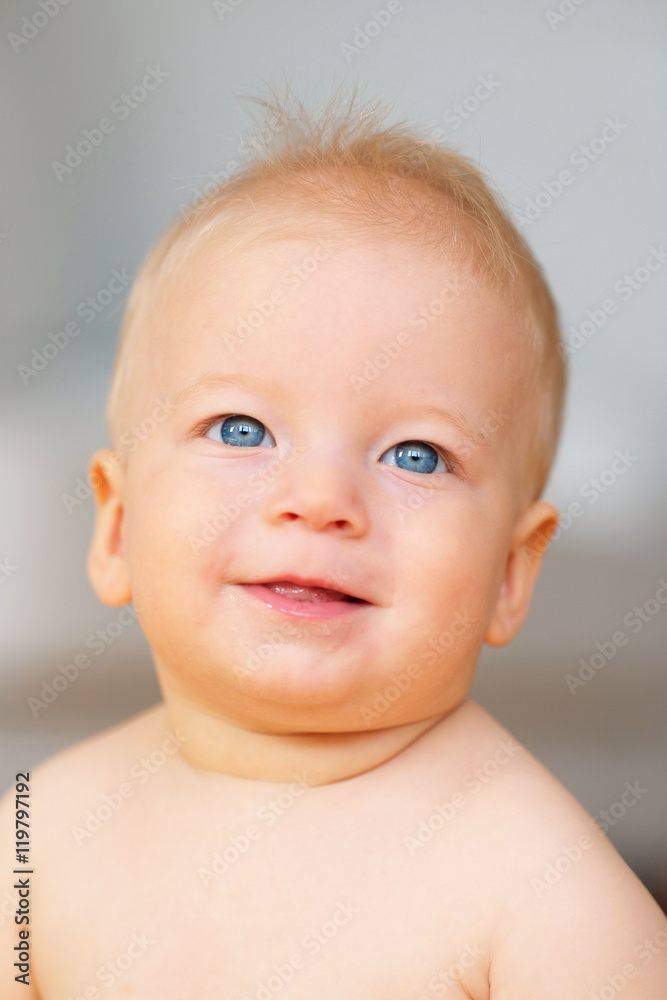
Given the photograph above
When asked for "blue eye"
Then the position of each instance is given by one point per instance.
(239, 430)
(416, 456)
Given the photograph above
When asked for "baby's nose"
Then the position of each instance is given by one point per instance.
(323, 494)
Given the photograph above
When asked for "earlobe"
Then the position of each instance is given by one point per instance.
(529, 543)
(107, 563)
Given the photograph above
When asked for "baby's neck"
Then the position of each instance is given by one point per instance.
(215, 744)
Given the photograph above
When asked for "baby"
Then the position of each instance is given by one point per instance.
(347, 368)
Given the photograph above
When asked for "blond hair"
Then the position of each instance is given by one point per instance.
(348, 164)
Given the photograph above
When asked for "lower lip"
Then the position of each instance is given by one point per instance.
(303, 609)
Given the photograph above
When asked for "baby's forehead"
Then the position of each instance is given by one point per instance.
(274, 263)
(281, 266)
(326, 298)
(267, 272)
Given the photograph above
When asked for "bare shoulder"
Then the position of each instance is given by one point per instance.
(558, 885)
(104, 753)
(72, 795)
(71, 782)
(502, 780)
(35, 819)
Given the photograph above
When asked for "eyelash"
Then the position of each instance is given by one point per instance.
(453, 466)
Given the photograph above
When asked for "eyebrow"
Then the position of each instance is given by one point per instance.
(255, 383)
(213, 381)
(455, 417)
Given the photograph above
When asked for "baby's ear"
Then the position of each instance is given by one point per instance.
(529, 543)
(107, 565)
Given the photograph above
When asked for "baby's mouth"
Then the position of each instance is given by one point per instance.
(306, 597)
(315, 595)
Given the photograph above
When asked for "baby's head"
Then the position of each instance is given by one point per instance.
(356, 364)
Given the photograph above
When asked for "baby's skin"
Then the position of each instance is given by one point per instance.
(332, 516)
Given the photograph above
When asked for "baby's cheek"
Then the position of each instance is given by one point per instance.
(158, 551)
(164, 512)
(454, 583)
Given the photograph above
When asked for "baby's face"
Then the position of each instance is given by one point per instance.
(343, 412)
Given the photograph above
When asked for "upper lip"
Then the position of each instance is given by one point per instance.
(312, 581)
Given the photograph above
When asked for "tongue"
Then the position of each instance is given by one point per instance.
(298, 593)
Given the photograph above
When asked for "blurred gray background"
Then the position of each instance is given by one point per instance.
(528, 89)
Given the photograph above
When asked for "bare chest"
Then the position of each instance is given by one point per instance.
(292, 892)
